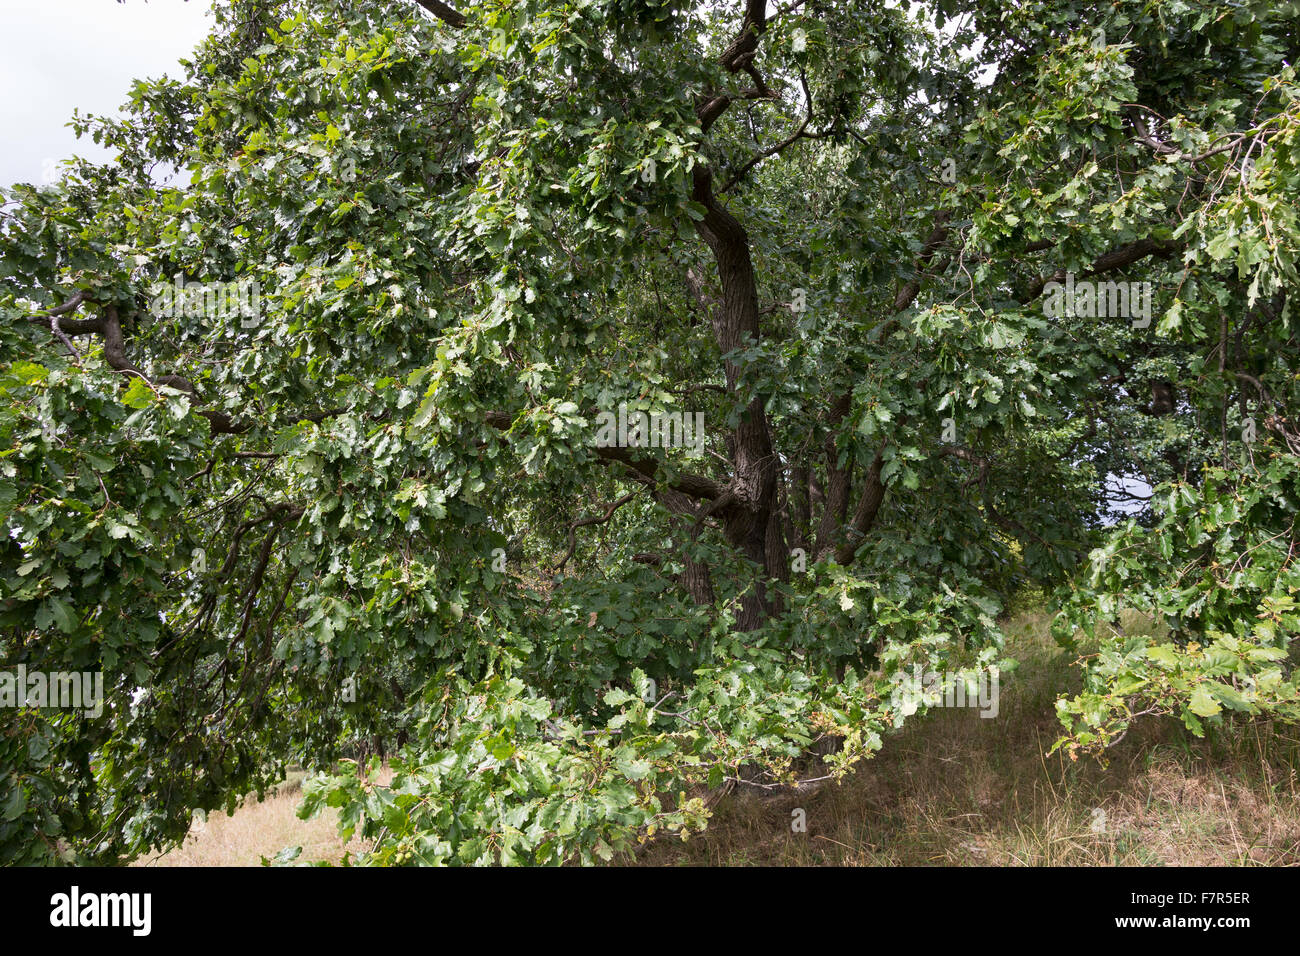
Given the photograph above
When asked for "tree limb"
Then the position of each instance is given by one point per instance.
(610, 508)
(443, 12)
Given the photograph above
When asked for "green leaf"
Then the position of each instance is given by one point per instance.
(15, 802)
(1203, 703)
(138, 394)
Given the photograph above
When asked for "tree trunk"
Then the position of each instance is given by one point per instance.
(749, 505)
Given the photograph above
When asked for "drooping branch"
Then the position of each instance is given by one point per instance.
(279, 514)
(259, 571)
(53, 316)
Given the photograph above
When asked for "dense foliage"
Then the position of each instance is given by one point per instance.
(374, 505)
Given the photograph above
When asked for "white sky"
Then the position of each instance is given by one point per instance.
(61, 55)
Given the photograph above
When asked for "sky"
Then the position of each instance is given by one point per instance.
(62, 55)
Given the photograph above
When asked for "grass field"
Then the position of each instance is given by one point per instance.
(256, 830)
(953, 789)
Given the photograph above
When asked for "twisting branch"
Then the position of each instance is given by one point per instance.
(584, 522)
(54, 314)
(737, 58)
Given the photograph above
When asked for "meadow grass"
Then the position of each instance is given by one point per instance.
(949, 789)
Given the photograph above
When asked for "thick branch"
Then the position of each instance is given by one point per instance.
(864, 516)
(1108, 262)
(873, 491)
(443, 12)
(642, 470)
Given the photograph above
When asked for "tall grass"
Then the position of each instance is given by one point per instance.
(952, 789)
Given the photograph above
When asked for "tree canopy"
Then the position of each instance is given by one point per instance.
(600, 400)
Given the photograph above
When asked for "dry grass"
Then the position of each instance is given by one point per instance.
(952, 789)
(257, 830)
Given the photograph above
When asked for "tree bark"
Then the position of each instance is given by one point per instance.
(749, 505)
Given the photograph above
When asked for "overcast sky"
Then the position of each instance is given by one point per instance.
(61, 55)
